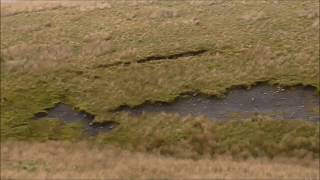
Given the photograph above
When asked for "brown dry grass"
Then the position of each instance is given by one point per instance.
(57, 160)
(14, 7)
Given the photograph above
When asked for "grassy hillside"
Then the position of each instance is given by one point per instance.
(57, 160)
(94, 56)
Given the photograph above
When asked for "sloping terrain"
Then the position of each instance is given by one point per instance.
(63, 160)
(98, 56)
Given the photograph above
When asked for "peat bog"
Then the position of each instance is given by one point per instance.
(69, 115)
(294, 103)
(298, 102)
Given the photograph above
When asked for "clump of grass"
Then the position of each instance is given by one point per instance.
(82, 160)
(29, 6)
(189, 137)
(61, 160)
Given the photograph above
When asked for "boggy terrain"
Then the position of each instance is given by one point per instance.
(287, 104)
(99, 56)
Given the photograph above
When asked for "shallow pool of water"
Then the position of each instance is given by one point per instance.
(69, 115)
(280, 103)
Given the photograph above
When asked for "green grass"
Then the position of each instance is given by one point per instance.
(52, 56)
(189, 137)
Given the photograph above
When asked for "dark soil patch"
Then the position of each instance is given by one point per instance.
(280, 103)
(69, 115)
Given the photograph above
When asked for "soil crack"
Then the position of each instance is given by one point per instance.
(172, 57)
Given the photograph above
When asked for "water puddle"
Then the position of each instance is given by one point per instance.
(69, 115)
(280, 103)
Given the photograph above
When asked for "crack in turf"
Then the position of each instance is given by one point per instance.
(172, 57)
